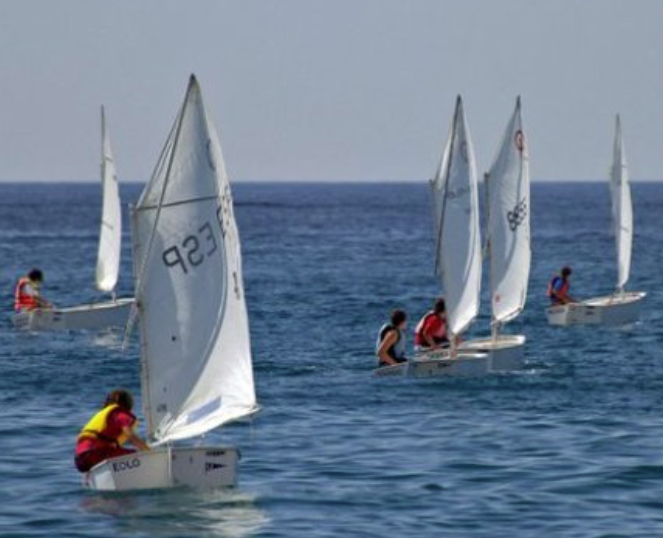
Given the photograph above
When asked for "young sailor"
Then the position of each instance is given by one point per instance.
(107, 431)
(390, 346)
(558, 288)
(26, 294)
(431, 331)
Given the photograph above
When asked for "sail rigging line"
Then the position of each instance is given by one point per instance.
(180, 202)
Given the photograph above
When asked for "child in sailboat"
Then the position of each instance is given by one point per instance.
(27, 296)
(104, 436)
(431, 331)
(558, 288)
(390, 346)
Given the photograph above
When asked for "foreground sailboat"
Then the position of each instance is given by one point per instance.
(458, 255)
(508, 192)
(113, 313)
(195, 348)
(621, 307)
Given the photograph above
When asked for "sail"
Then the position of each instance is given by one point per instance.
(110, 237)
(622, 209)
(195, 347)
(509, 222)
(456, 219)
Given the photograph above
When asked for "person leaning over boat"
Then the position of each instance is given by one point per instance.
(431, 331)
(390, 346)
(104, 436)
(558, 288)
(27, 295)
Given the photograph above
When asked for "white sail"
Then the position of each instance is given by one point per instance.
(456, 216)
(622, 209)
(110, 237)
(509, 223)
(195, 348)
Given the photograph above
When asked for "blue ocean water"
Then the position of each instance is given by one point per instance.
(571, 447)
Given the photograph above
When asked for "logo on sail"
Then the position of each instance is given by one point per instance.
(519, 140)
(518, 215)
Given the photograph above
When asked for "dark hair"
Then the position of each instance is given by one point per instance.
(566, 271)
(397, 317)
(440, 306)
(36, 275)
(120, 397)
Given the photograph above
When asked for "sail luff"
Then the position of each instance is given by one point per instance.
(509, 223)
(110, 233)
(622, 210)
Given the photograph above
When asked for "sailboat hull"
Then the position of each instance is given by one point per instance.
(85, 317)
(467, 363)
(618, 309)
(505, 351)
(167, 467)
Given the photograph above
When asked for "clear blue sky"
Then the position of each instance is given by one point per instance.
(351, 90)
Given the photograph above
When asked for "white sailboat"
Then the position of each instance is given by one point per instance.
(195, 348)
(508, 192)
(458, 254)
(622, 307)
(113, 313)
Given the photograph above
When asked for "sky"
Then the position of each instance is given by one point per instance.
(330, 90)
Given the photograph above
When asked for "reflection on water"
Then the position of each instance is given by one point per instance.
(217, 513)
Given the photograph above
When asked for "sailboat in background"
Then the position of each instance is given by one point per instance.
(101, 315)
(458, 255)
(508, 193)
(196, 365)
(621, 307)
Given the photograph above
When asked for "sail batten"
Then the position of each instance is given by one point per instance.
(622, 209)
(509, 222)
(456, 225)
(110, 234)
(197, 372)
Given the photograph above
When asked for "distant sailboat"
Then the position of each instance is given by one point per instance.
(621, 307)
(195, 348)
(458, 254)
(508, 189)
(101, 315)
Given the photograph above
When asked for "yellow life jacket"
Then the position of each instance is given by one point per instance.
(98, 424)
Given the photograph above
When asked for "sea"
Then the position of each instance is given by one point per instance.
(572, 446)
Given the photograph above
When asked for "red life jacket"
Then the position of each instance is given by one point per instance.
(419, 339)
(22, 299)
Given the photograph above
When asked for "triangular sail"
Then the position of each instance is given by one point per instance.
(195, 348)
(509, 223)
(456, 217)
(622, 209)
(110, 237)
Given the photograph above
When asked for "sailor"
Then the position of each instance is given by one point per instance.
(104, 436)
(431, 331)
(390, 346)
(26, 294)
(558, 288)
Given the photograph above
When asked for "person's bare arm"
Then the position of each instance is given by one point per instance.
(134, 439)
(389, 340)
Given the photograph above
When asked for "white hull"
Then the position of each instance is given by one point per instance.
(467, 363)
(505, 351)
(618, 309)
(90, 317)
(160, 468)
